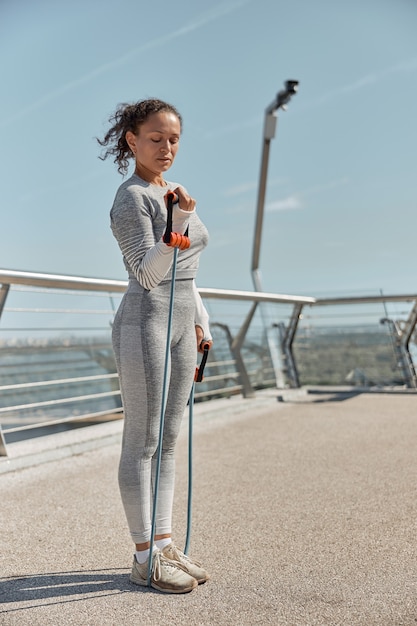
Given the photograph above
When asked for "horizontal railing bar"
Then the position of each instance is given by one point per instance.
(74, 418)
(35, 405)
(365, 299)
(209, 379)
(23, 288)
(60, 381)
(253, 296)
(99, 284)
(59, 281)
(112, 289)
(52, 367)
(216, 392)
(75, 311)
(317, 316)
(57, 348)
(211, 364)
(55, 328)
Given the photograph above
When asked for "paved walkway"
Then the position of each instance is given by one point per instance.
(304, 512)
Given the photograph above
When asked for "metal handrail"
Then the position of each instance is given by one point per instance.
(74, 284)
(57, 281)
(57, 381)
(33, 279)
(62, 420)
(13, 278)
(254, 296)
(407, 297)
(78, 283)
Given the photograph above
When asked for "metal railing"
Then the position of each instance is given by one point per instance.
(68, 375)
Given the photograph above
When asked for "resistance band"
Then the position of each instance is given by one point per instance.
(182, 242)
(178, 242)
(198, 377)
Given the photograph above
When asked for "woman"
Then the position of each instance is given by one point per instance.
(149, 132)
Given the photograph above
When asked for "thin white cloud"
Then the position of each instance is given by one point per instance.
(232, 128)
(290, 203)
(32, 194)
(335, 244)
(250, 186)
(240, 189)
(209, 16)
(241, 208)
(221, 241)
(295, 201)
(339, 182)
(404, 67)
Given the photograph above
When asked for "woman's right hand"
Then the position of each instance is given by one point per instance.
(199, 333)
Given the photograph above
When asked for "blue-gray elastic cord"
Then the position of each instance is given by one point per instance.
(167, 235)
(190, 469)
(162, 418)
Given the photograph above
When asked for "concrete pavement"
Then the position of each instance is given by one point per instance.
(304, 512)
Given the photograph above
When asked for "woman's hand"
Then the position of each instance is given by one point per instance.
(200, 336)
(186, 202)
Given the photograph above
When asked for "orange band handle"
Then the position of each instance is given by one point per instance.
(179, 241)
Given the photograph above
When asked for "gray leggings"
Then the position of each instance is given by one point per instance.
(139, 343)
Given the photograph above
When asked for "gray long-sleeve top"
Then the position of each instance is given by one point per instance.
(138, 220)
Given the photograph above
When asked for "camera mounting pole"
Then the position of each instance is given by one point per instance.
(270, 123)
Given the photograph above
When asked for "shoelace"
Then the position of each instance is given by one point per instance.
(180, 556)
(160, 561)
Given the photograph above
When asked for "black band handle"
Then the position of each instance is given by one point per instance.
(200, 370)
(171, 198)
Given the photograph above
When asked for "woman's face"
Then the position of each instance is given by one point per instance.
(156, 143)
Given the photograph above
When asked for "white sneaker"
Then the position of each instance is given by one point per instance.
(166, 576)
(194, 568)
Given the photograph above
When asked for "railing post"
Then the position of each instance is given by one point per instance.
(235, 346)
(3, 296)
(402, 336)
(405, 340)
(400, 344)
(3, 449)
(286, 346)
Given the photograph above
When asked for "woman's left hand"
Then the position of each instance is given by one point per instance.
(186, 202)
(200, 336)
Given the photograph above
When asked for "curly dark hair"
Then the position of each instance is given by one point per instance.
(130, 117)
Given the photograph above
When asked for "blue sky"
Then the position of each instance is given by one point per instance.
(341, 206)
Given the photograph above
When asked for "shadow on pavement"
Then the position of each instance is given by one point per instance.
(323, 394)
(32, 590)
